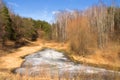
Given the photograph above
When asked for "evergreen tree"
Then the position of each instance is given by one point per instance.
(7, 23)
(6, 29)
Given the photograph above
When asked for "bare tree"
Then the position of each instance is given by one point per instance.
(61, 23)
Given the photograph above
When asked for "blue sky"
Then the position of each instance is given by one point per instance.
(45, 9)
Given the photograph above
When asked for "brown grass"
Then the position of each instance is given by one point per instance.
(8, 62)
(108, 58)
(14, 60)
(45, 75)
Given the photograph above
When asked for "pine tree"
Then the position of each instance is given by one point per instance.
(7, 31)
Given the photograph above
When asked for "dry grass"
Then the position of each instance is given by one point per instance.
(45, 75)
(13, 60)
(108, 57)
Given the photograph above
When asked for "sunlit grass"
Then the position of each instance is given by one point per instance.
(46, 75)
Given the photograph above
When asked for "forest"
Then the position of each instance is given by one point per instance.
(100, 25)
(19, 29)
(90, 36)
(95, 27)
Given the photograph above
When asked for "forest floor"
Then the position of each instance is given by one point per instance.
(109, 58)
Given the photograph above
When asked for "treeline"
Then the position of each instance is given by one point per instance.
(95, 27)
(19, 29)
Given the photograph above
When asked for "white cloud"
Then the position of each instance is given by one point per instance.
(55, 12)
(69, 10)
(40, 15)
(46, 15)
(13, 4)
